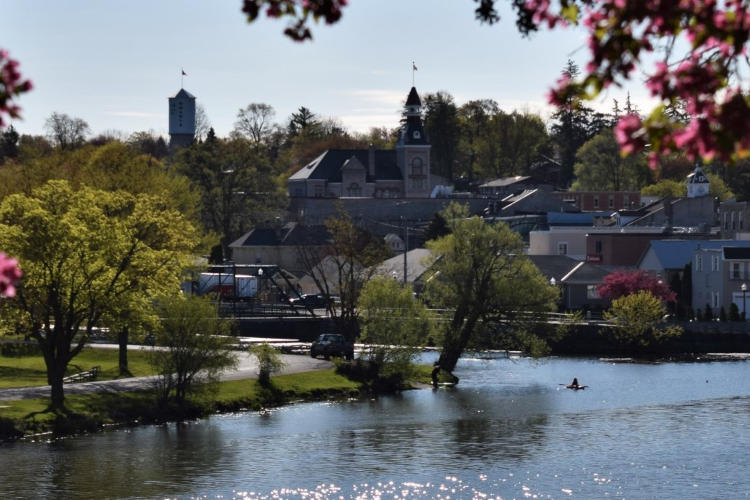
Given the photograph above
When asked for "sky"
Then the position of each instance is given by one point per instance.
(115, 63)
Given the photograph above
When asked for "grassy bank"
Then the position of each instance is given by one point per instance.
(29, 371)
(91, 412)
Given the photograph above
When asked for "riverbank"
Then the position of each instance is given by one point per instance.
(99, 410)
(92, 412)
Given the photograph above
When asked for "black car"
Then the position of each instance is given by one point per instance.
(332, 344)
(312, 301)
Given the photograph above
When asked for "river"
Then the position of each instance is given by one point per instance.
(508, 430)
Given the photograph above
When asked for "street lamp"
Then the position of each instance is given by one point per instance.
(743, 287)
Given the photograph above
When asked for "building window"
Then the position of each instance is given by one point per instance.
(734, 223)
(611, 202)
(726, 221)
(318, 191)
(737, 271)
(714, 263)
(715, 300)
(562, 248)
(596, 202)
(354, 190)
(592, 292)
(598, 247)
(699, 263)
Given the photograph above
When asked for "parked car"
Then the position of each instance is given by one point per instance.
(332, 344)
(312, 301)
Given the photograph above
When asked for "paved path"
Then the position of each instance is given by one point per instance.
(247, 368)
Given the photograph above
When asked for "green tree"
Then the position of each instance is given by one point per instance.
(600, 166)
(393, 323)
(480, 272)
(635, 319)
(269, 361)
(442, 127)
(665, 188)
(514, 142)
(237, 186)
(474, 118)
(88, 255)
(194, 347)
(8, 144)
(573, 125)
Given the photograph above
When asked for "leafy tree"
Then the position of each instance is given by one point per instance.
(8, 144)
(620, 283)
(66, 132)
(474, 117)
(442, 127)
(514, 142)
(436, 228)
(237, 185)
(573, 125)
(393, 324)
(635, 317)
(269, 361)
(481, 273)
(88, 255)
(343, 267)
(148, 143)
(665, 188)
(600, 166)
(194, 347)
(255, 122)
(303, 120)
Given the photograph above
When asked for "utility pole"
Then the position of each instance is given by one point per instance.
(406, 246)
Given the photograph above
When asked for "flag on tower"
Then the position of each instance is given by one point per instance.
(413, 66)
(183, 73)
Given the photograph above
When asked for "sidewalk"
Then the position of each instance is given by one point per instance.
(247, 368)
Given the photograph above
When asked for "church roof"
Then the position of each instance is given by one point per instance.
(413, 99)
(328, 166)
(184, 94)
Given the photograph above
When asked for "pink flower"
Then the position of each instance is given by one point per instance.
(10, 273)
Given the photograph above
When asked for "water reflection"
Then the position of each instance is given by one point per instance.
(507, 430)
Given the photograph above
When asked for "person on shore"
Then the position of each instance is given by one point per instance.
(435, 373)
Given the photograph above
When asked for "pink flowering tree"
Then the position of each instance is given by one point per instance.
(10, 274)
(699, 49)
(621, 283)
(12, 84)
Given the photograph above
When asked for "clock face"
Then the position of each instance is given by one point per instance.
(416, 134)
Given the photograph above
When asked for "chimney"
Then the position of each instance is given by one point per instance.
(371, 162)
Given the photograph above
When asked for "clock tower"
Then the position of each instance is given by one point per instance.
(413, 150)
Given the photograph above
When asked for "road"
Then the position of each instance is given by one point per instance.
(247, 368)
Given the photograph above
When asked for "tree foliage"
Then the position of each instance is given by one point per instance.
(394, 323)
(600, 167)
(194, 347)
(88, 256)
(269, 361)
(343, 267)
(621, 283)
(635, 320)
(480, 272)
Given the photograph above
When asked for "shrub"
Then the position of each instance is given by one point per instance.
(269, 361)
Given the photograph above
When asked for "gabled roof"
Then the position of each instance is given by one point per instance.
(184, 94)
(675, 254)
(290, 234)
(415, 267)
(505, 181)
(328, 165)
(554, 266)
(586, 273)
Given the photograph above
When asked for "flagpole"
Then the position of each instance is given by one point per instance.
(412, 72)
(182, 78)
